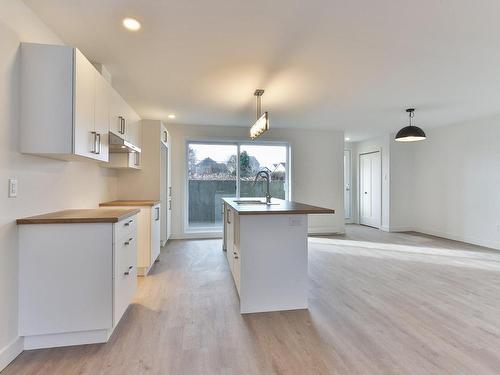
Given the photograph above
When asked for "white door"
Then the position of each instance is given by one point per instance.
(347, 184)
(370, 189)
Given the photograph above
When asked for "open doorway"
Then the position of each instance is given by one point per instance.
(370, 189)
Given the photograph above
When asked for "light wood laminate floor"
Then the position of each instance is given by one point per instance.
(380, 303)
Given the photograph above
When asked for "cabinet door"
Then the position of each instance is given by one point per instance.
(102, 105)
(155, 233)
(84, 142)
(117, 114)
(133, 128)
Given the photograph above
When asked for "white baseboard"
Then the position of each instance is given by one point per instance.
(67, 339)
(9, 352)
(324, 231)
(402, 229)
(195, 235)
(455, 237)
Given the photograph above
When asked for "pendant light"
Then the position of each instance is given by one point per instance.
(262, 123)
(410, 133)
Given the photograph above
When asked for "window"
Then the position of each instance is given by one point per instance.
(217, 170)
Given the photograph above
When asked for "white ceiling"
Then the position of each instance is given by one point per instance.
(342, 64)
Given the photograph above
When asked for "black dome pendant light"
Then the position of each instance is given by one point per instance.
(410, 133)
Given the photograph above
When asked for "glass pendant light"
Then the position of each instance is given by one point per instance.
(410, 133)
(262, 123)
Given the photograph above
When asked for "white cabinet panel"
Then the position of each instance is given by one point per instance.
(84, 81)
(155, 233)
(125, 275)
(101, 118)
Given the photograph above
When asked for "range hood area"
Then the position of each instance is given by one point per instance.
(120, 145)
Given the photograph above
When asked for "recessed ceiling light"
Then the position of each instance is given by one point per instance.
(172, 116)
(347, 138)
(131, 24)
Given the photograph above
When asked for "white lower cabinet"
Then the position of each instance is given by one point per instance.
(148, 232)
(232, 244)
(76, 281)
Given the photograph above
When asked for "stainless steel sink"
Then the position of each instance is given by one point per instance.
(248, 201)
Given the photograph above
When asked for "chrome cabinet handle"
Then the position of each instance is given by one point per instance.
(157, 213)
(124, 122)
(229, 216)
(94, 143)
(127, 272)
(170, 191)
(98, 139)
(170, 205)
(128, 242)
(165, 136)
(122, 125)
(128, 223)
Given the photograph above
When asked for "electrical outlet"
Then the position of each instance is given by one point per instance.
(12, 188)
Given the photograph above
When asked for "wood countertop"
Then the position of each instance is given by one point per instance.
(81, 216)
(132, 203)
(277, 207)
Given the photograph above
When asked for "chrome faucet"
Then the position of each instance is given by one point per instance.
(265, 175)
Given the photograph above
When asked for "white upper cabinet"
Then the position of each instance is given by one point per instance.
(124, 122)
(68, 108)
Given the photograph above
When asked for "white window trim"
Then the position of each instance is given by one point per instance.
(238, 144)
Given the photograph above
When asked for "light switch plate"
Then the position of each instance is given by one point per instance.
(12, 188)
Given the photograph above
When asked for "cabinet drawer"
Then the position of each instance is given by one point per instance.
(125, 275)
(125, 228)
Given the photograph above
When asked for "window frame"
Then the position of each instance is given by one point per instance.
(238, 144)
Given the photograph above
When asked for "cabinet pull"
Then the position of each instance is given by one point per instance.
(170, 191)
(165, 136)
(98, 139)
(127, 272)
(128, 242)
(157, 213)
(228, 216)
(128, 223)
(123, 125)
(94, 143)
(170, 205)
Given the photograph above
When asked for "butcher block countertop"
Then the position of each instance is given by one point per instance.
(132, 203)
(277, 207)
(81, 216)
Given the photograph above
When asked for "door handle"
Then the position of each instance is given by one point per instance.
(127, 272)
(157, 213)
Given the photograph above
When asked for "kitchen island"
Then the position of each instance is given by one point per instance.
(266, 247)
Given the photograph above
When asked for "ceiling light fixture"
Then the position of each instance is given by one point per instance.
(172, 116)
(347, 139)
(131, 24)
(262, 123)
(410, 133)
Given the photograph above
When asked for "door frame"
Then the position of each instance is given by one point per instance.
(350, 218)
(371, 151)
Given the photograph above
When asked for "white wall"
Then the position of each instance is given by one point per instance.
(44, 185)
(317, 169)
(402, 186)
(382, 144)
(457, 182)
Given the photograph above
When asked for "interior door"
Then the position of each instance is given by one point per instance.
(347, 184)
(370, 189)
(164, 191)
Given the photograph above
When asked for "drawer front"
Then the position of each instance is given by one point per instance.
(125, 228)
(125, 274)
